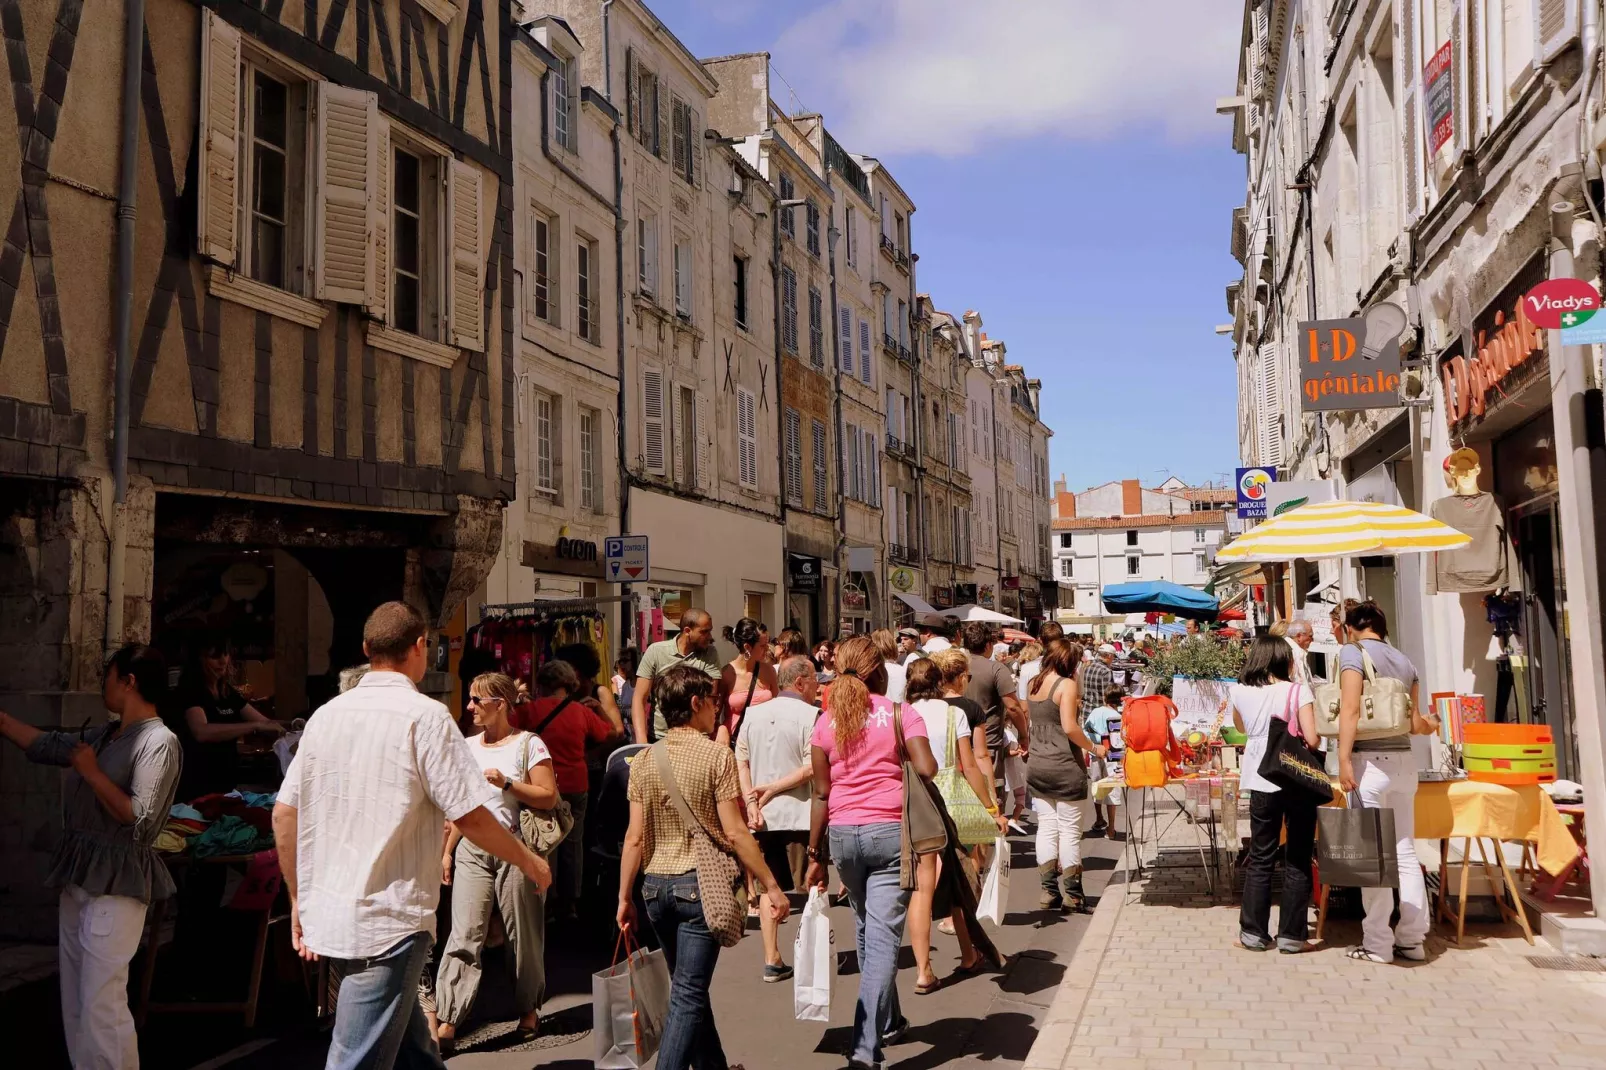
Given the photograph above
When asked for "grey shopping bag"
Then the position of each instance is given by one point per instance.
(1355, 847)
(629, 1002)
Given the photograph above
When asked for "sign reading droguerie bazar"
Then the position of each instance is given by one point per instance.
(1333, 375)
(1499, 352)
(1438, 97)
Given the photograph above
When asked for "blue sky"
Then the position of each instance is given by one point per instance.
(1072, 183)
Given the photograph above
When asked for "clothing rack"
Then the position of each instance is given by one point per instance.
(562, 607)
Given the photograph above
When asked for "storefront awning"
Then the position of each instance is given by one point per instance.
(915, 602)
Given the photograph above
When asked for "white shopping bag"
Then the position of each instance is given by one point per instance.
(813, 962)
(994, 901)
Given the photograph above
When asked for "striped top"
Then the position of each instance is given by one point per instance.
(1342, 529)
(377, 773)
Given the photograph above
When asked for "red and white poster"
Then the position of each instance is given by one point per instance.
(1438, 97)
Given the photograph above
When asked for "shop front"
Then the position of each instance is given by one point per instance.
(860, 591)
(903, 580)
(805, 594)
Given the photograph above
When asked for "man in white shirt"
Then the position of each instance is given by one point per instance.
(908, 647)
(932, 639)
(358, 828)
(773, 764)
(1300, 637)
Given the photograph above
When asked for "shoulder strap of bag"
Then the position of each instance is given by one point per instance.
(897, 731)
(1368, 666)
(951, 753)
(553, 716)
(752, 685)
(524, 757)
(666, 771)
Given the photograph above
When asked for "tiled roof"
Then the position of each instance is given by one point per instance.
(1159, 520)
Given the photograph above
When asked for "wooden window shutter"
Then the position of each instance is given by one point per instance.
(1406, 63)
(847, 341)
(218, 191)
(660, 146)
(1555, 25)
(379, 307)
(746, 439)
(703, 431)
(1269, 406)
(346, 176)
(694, 152)
(467, 267)
(652, 414)
(632, 102)
(864, 350)
(678, 136)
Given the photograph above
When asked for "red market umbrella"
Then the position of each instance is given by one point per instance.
(1230, 614)
(1015, 635)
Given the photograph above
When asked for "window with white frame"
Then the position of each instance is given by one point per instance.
(647, 254)
(272, 195)
(544, 265)
(746, 438)
(850, 230)
(1065, 541)
(565, 131)
(544, 440)
(794, 457)
(589, 490)
(788, 192)
(683, 278)
(1067, 567)
(822, 471)
(816, 327)
(1133, 564)
(1201, 564)
(1199, 535)
(642, 107)
(789, 309)
(415, 249)
(586, 289)
(811, 226)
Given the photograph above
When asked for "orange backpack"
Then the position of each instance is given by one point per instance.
(1146, 726)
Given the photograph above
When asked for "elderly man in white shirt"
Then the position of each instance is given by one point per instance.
(773, 765)
(1300, 636)
(358, 826)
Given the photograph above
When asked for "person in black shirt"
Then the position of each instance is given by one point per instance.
(214, 718)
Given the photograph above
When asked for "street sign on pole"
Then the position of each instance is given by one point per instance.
(625, 558)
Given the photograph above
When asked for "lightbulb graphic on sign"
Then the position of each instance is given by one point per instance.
(1384, 322)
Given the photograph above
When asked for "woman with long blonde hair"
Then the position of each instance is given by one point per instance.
(858, 797)
(520, 764)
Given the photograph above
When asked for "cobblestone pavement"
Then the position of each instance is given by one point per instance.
(1158, 982)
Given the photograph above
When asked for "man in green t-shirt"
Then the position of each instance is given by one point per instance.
(694, 645)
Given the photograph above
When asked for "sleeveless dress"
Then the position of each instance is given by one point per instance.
(1054, 769)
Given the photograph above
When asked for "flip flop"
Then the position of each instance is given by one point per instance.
(926, 990)
(973, 970)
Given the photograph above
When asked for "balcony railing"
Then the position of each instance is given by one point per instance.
(894, 444)
(889, 343)
(887, 246)
(905, 555)
(904, 354)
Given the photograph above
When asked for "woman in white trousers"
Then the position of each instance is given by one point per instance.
(114, 803)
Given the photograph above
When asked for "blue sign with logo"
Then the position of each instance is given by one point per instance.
(1253, 486)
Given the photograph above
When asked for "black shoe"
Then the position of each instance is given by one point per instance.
(1099, 829)
(772, 974)
(895, 1034)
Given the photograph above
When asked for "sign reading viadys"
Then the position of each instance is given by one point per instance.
(1438, 97)
(1335, 375)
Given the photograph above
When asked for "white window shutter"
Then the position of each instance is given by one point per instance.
(379, 307)
(1407, 75)
(847, 341)
(864, 350)
(694, 162)
(704, 433)
(746, 439)
(677, 436)
(1555, 27)
(467, 218)
(347, 172)
(1463, 47)
(652, 413)
(660, 146)
(218, 191)
(1269, 406)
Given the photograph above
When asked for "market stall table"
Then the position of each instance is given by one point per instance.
(1472, 811)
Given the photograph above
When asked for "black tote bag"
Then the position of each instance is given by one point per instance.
(1290, 763)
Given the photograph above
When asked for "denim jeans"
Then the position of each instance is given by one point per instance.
(866, 857)
(675, 909)
(379, 1023)
(1268, 811)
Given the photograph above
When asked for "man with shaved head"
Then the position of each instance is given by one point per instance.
(692, 645)
(773, 764)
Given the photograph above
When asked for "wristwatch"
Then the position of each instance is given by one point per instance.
(814, 853)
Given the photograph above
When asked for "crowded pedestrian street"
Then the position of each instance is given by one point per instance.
(807, 535)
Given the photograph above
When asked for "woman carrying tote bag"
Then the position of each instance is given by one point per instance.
(1263, 695)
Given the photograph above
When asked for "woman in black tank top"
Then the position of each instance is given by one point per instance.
(1056, 776)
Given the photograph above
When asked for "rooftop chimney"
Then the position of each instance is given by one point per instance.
(1064, 501)
(1131, 498)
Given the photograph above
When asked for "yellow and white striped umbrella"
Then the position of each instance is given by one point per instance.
(1343, 529)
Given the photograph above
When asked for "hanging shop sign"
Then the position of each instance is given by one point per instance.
(902, 579)
(1343, 365)
(985, 596)
(1438, 97)
(854, 599)
(1253, 484)
(802, 572)
(1011, 583)
(1499, 352)
(942, 597)
(1031, 600)
(566, 557)
(965, 594)
(1557, 304)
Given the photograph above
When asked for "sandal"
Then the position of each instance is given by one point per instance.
(975, 969)
(923, 989)
(1360, 954)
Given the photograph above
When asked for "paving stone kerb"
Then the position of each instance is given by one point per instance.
(1156, 984)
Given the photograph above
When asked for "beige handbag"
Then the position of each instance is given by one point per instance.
(1385, 704)
(720, 882)
(543, 831)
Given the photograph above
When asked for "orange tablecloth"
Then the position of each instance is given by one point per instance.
(1447, 809)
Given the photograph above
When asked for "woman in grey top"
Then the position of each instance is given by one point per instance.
(1384, 772)
(1056, 777)
(114, 803)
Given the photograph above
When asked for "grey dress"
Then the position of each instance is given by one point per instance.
(1054, 769)
(97, 852)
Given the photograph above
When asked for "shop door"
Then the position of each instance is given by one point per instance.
(1543, 680)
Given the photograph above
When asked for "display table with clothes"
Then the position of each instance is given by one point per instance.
(1473, 811)
(219, 849)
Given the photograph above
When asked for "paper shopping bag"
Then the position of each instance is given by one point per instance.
(1355, 847)
(629, 1002)
(994, 901)
(813, 962)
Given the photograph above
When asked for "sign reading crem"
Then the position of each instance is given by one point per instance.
(1342, 366)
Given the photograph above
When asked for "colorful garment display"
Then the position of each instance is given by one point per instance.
(518, 640)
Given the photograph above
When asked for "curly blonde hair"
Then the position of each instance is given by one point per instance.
(860, 671)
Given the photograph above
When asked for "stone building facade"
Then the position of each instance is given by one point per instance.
(319, 351)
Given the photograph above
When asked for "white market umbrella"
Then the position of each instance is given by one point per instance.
(975, 612)
(1342, 529)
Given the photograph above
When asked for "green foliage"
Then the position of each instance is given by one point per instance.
(1200, 656)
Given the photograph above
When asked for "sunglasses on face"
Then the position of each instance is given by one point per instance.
(476, 700)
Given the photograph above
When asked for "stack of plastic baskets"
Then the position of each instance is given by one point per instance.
(1511, 754)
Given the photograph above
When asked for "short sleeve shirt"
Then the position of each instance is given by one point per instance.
(705, 772)
(662, 656)
(989, 683)
(1388, 661)
(867, 778)
(514, 757)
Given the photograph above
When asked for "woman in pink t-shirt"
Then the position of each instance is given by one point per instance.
(858, 794)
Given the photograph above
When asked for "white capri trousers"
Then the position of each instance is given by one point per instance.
(1059, 831)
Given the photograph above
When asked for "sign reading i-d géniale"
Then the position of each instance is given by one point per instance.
(1338, 371)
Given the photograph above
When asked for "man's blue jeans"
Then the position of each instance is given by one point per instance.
(378, 1021)
(675, 908)
(867, 858)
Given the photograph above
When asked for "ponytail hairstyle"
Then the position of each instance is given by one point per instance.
(144, 666)
(745, 635)
(499, 686)
(860, 673)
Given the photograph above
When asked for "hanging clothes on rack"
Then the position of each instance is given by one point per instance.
(518, 638)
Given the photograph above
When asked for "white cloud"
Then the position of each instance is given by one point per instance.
(949, 77)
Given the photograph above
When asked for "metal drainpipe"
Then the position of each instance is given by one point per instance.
(127, 192)
(780, 412)
(841, 450)
(627, 605)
